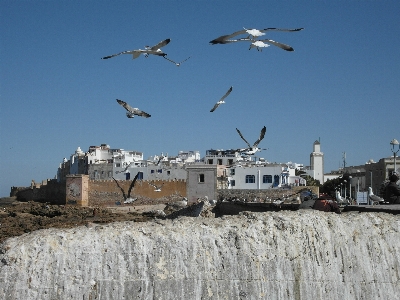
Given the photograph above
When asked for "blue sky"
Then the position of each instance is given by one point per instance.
(341, 84)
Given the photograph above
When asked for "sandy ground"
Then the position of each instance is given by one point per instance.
(17, 218)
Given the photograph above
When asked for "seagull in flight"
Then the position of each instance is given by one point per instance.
(157, 187)
(155, 50)
(252, 149)
(177, 64)
(252, 35)
(131, 111)
(221, 101)
(128, 198)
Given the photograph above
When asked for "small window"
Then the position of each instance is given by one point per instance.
(210, 161)
(159, 171)
(118, 165)
(232, 171)
(276, 180)
(220, 162)
(168, 172)
(267, 178)
(230, 162)
(201, 178)
(250, 179)
(151, 171)
(232, 182)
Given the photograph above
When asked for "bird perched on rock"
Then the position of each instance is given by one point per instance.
(374, 198)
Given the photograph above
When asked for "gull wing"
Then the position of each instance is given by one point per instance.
(123, 193)
(177, 64)
(113, 55)
(243, 137)
(215, 106)
(227, 93)
(280, 45)
(132, 184)
(141, 113)
(126, 106)
(224, 39)
(262, 134)
(281, 29)
(160, 44)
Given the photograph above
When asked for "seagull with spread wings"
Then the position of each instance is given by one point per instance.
(252, 149)
(221, 101)
(155, 50)
(157, 188)
(128, 198)
(132, 111)
(252, 35)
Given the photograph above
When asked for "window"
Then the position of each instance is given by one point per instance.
(267, 178)
(250, 179)
(232, 171)
(151, 171)
(220, 162)
(210, 161)
(168, 172)
(117, 165)
(232, 182)
(230, 162)
(276, 180)
(159, 171)
(201, 178)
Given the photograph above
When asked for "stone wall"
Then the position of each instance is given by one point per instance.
(108, 192)
(261, 195)
(48, 191)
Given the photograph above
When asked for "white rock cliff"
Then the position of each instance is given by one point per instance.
(276, 255)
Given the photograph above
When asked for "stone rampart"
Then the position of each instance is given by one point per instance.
(263, 195)
(108, 192)
(47, 191)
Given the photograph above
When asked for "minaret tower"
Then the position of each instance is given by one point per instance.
(317, 162)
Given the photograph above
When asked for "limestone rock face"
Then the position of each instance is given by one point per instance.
(301, 254)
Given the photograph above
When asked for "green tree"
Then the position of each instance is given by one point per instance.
(310, 181)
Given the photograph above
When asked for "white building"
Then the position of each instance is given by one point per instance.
(262, 176)
(317, 163)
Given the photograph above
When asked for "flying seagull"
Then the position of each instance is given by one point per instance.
(131, 111)
(177, 64)
(252, 34)
(157, 187)
(128, 198)
(155, 50)
(221, 101)
(252, 149)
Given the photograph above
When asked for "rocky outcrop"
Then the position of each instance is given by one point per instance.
(301, 254)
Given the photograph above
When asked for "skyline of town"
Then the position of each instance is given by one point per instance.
(336, 86)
